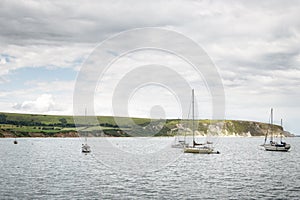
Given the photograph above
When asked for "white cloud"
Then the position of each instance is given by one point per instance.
(50, 56)
(3, 61)
(42, 104)
(58, 86)
(51, 97)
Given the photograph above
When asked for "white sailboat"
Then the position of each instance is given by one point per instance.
(196, 147)
(179, 142)
(85, 147)
(273, 145)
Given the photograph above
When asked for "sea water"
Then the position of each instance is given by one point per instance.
(146, 168)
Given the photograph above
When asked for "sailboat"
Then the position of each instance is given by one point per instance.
(85, 147)
(273, 145)
(179, 143)
(196, 147)
(15, 141)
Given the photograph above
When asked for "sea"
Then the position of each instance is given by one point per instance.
(146, 168)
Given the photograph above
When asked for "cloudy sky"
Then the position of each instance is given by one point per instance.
(255, 46)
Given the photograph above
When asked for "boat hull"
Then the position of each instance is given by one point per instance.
(284, 148)
(199, 150)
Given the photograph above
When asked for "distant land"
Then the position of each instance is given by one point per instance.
(36, 125)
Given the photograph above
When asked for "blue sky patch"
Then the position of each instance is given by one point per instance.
(19, 77)
(6, 57)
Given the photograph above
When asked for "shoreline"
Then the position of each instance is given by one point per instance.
(223, 136)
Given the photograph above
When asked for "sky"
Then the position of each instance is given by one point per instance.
(254, 45)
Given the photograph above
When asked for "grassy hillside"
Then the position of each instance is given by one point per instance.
(32, 125)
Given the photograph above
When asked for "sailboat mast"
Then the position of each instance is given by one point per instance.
(271, 124)
(85, 139)
(281, 135)
(193, 113)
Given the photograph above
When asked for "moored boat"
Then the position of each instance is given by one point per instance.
(274, 145)
(180, 144)
(85, 147)
(205, 148)
(282, 146)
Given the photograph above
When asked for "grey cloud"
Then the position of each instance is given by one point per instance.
(92, 21)
(80, 21)
(284, 60)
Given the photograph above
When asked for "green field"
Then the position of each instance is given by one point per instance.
(25, 125)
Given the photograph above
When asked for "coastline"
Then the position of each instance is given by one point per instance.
(221, 136)
(33, 125)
